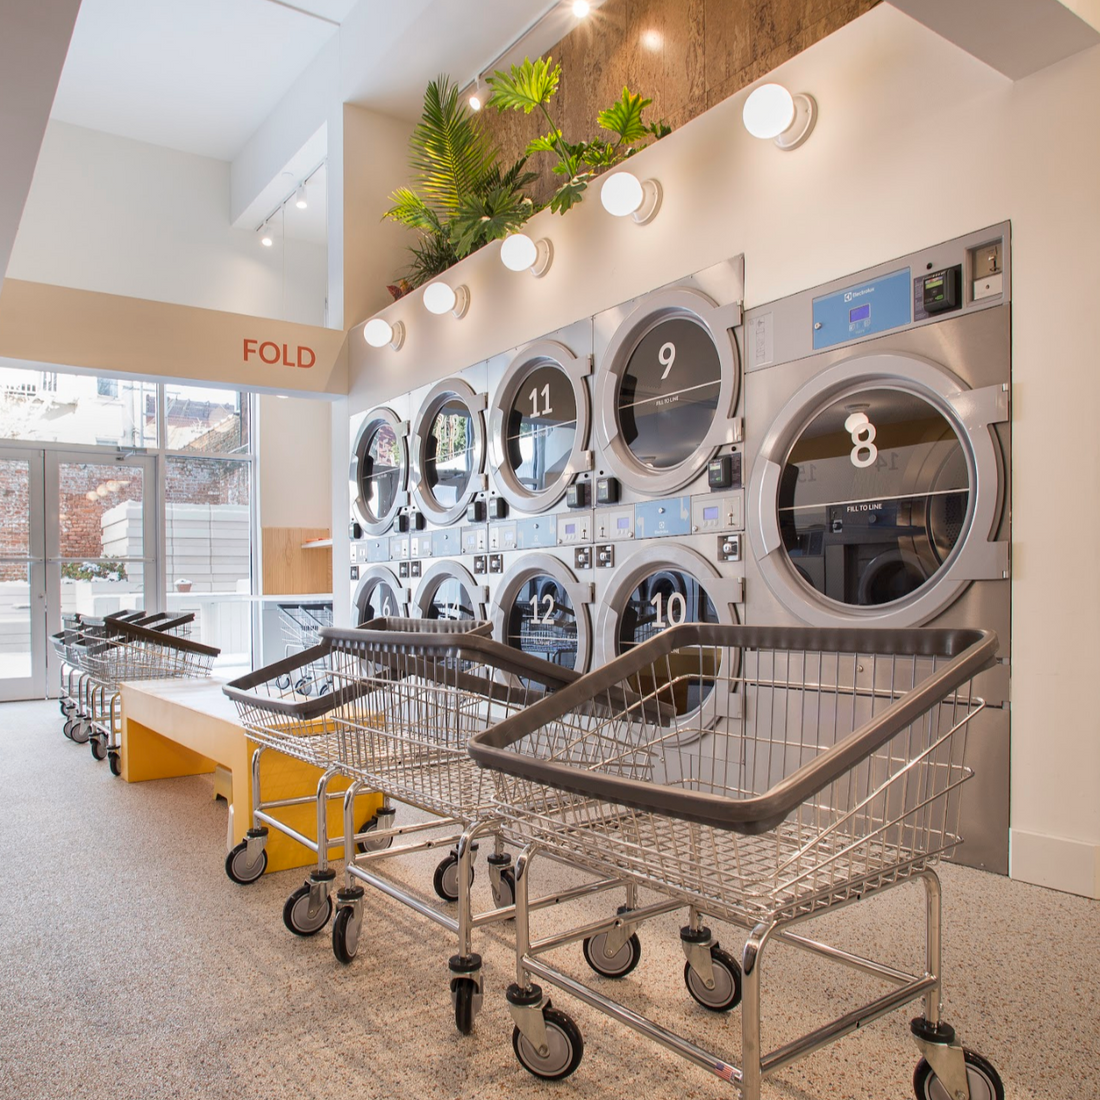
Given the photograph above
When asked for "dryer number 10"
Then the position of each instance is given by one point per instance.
(677, 610)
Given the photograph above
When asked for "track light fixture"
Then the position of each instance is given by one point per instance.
(581, 8)
(300, 200)
(378, 333)
(267, 237)
(477, 96)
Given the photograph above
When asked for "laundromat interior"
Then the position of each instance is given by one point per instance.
(611, 623)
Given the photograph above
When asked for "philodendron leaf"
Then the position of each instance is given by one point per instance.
(527, 87)
(625, 117)
(548, 143)
(660, 129)
(569, 194)
(411, 210)
(487, 218)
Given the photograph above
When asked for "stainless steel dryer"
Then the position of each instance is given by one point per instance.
(378, 490)
(877, 421)
(668, 491)
(540, 528)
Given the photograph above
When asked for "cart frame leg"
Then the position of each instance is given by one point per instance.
(752, 1073)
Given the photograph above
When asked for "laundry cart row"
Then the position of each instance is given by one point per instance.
(750, 779)
(96, 655)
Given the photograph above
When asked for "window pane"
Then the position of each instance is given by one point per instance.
(15, 620)
(15, 531)
(100, 587)
(209, 552)
(51, 407)
(213, 421)
(102, 515)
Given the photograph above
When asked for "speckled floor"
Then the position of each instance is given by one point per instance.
(130, 966)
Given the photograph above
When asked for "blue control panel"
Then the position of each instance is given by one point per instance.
(863, 310)
(534, 533)
(656, 518)
(446, 543)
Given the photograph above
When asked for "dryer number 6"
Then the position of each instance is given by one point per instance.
(863, 433)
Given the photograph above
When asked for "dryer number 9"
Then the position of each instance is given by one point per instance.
(666, 357)
(863, 433)
(677, 610)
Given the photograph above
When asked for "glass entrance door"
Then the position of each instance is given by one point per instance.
(77, 536)
(22, 576)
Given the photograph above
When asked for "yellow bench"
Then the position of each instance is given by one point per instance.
(173, 728)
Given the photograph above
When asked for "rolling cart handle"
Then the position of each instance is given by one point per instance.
(970, 652)
(170, 641)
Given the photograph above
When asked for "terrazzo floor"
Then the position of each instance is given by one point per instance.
(131, 967)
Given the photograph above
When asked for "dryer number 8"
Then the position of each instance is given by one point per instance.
(863, 433)
(677, 610)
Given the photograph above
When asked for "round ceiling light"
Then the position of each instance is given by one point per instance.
(768, 111)
(623, 194)
(439, 298)
(378, 333)
(519, 253)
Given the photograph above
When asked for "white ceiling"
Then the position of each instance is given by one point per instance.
(194, 75)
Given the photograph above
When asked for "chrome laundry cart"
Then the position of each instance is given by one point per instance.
(301, 625)
(127, 651)
(755, 776)
(404, 703)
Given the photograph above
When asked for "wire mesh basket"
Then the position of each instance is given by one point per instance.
(126, 651)
(752, 772)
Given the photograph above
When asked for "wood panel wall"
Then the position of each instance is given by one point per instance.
(685, 55)
(291, 570)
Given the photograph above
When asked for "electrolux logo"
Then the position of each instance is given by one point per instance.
(271, 353)
(852, 295)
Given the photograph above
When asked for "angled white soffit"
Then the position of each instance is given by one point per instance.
(1015, 37)
(33, 44)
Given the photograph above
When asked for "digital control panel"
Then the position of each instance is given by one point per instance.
(615, 523)
(502, 536)
(660, 518)
(861, 310)
(718, 512)
(475, 540)
(574, 528)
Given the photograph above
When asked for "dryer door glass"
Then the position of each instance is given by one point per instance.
(670, 597)
(380, 479)
(542, 622)
(448, 458)
(669, 392)
(873, 497)
(542, 425)
(378, 603)
(450, 601)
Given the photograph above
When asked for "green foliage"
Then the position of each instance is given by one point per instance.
(93, 571)
(528, 86)
(532, 85)
(460, 199)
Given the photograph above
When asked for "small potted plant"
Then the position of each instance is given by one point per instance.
(183, 585)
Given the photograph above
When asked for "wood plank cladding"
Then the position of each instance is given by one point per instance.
(291, 570)
(686, 55)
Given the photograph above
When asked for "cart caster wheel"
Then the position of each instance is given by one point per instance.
(345, 934)
(612, 966)
(67, 728)
(369, 844)
(240, 869)
(303, 686)
(282, 682)
(66, 706)
(445, 879)
(114, 762)
(81, 731)
(565, 1047)
(983, 1080)
(325, 688)
(504, 894)
(726, 993)
(296, 915)
(463, 992)
(98, 745)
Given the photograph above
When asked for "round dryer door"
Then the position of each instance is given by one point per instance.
(540, 608)
(448, 451)
(379, 595)
(667, 391)
(659, 587)
(539, 426)
(448, 591)
(379, 470)
(873, 497)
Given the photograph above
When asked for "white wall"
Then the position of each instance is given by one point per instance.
(891, 168)
(295, 462)
(109, 214)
